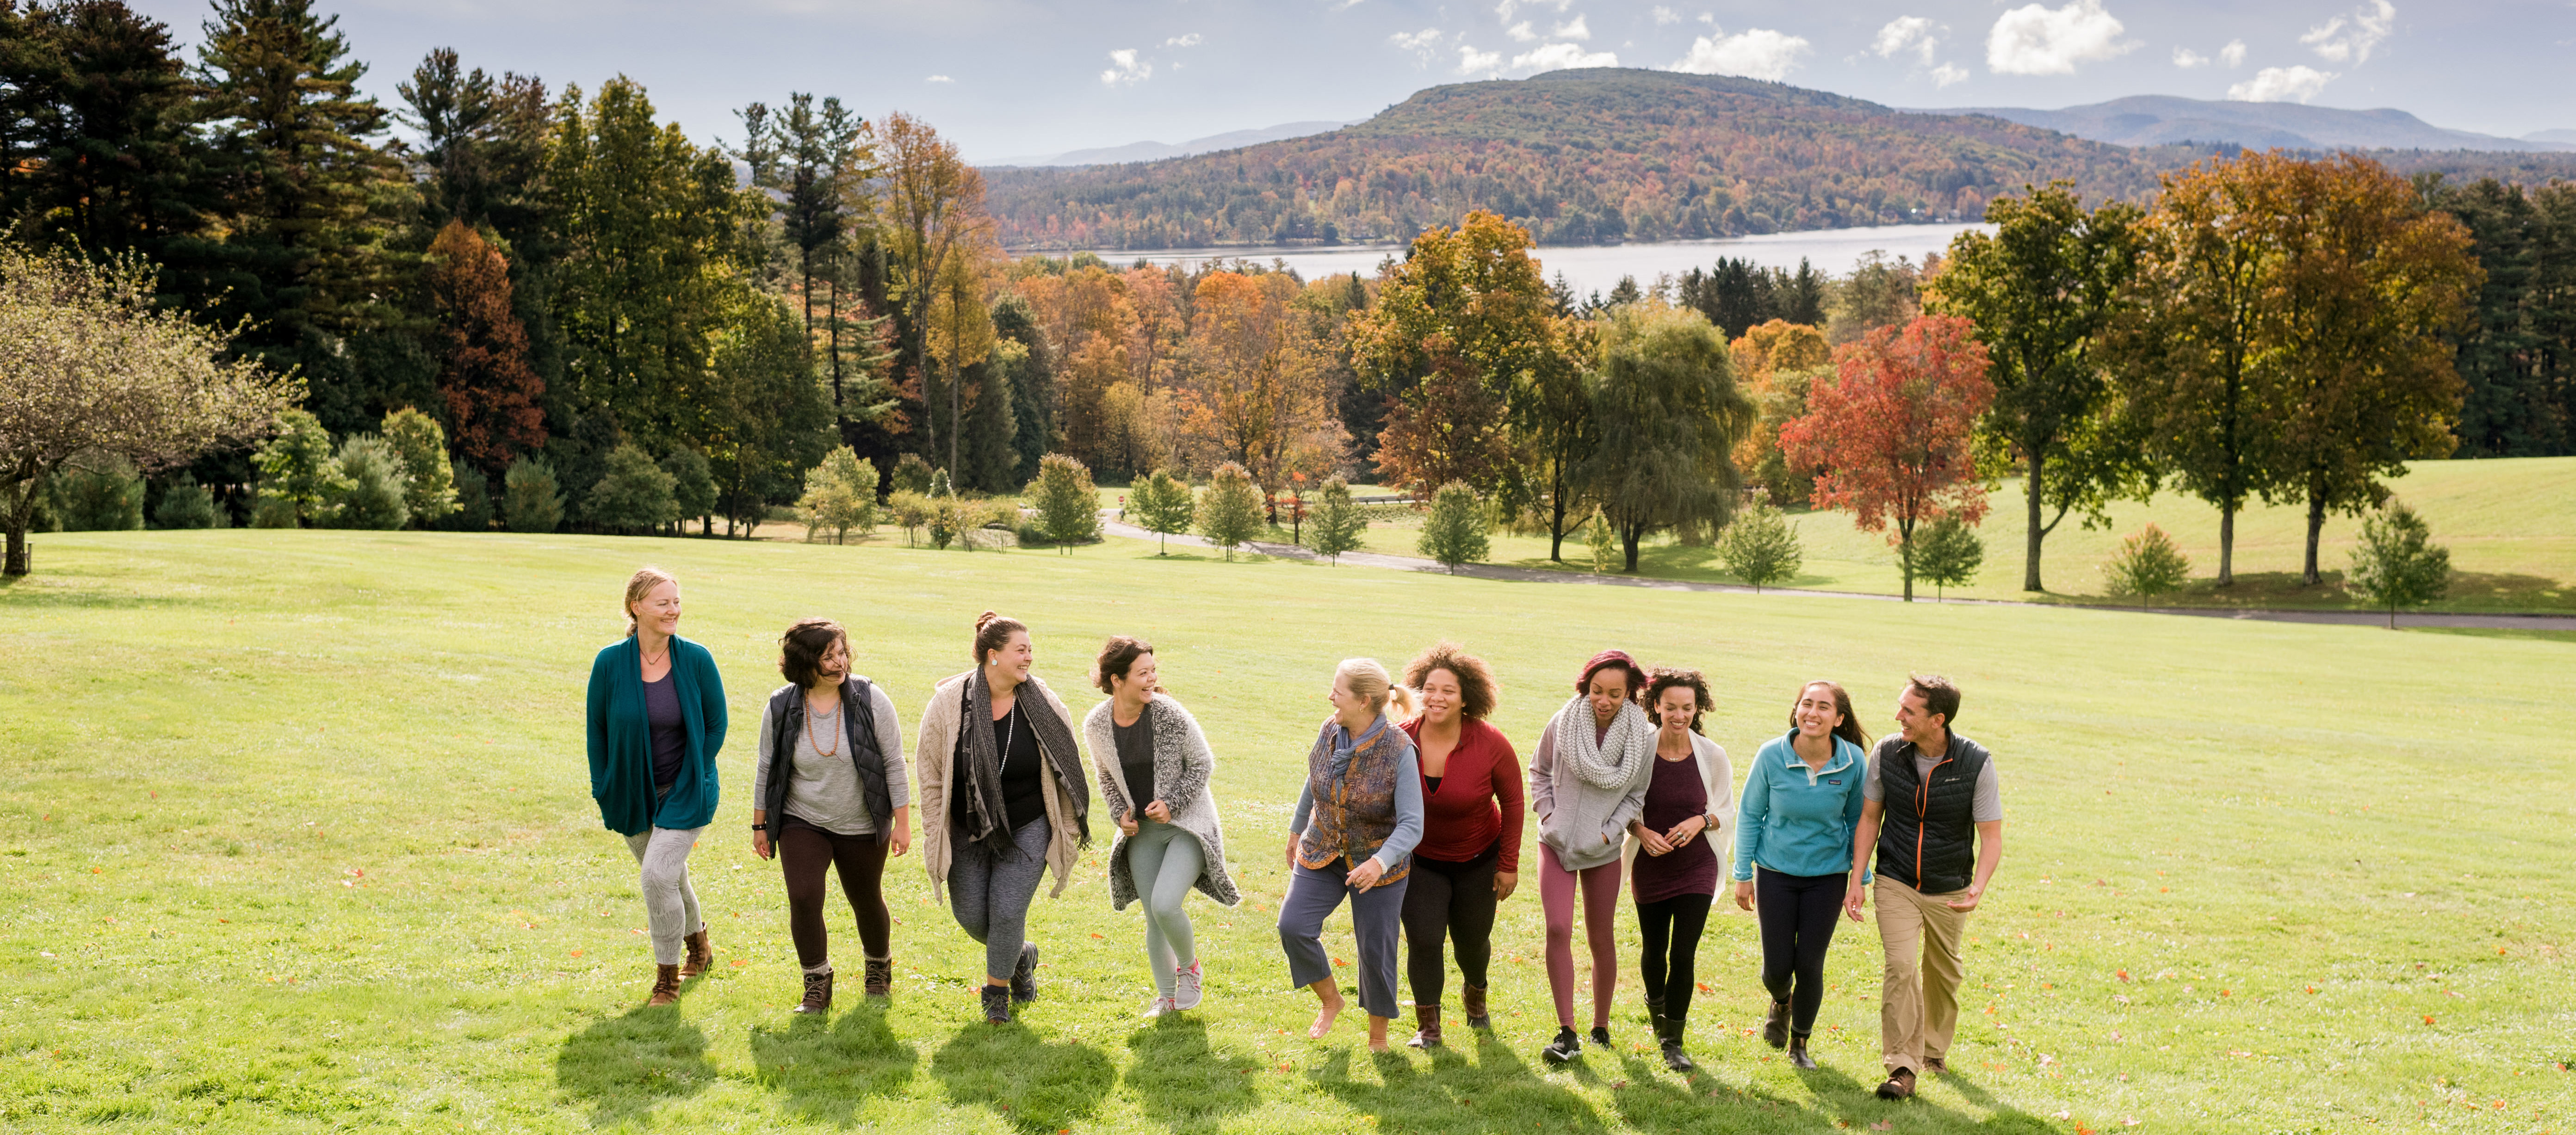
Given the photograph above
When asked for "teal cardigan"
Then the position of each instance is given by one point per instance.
(1796, 820)
(621, 739)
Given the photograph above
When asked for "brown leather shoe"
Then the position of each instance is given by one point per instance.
(818, 993)
(1426, 1034)
(1936, 1066)
(880, 977)
(666, 985)
(1899, 1085)
(1474, 996)
(1775, 1025)
(701, 956)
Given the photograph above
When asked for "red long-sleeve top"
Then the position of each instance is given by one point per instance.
(1478, 801)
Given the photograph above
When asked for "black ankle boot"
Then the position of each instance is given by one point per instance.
(1798, 1057)
(1670, 1035)
(1775, 1025)
(997, 1005)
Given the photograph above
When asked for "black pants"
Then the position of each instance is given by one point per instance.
(1455, 902)
(804, 851)
(1671, 928)
(1798, 913)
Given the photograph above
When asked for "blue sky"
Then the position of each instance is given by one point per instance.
(1011, 78)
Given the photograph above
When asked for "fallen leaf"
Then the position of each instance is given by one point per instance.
(1881, 1125)
(2428, 1018)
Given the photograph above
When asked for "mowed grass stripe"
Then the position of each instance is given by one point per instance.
(301, 818)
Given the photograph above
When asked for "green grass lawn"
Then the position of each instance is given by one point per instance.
(295, 837)
(2510, 525)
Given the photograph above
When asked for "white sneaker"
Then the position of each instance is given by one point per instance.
(1185, 989)
(1157, 1006)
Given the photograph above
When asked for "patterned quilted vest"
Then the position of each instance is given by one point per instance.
(1351, 816)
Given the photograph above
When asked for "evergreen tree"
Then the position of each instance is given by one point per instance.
(1163, 504)
(1067, 503)
(473, 503)
(372, 489)
(992, 454)
(1454, 533)
(94, 114)
(1230, 511)
(297, 476)
(1337, 524)
(482, 145)
(768, 420)
(530, 502)
(1947, 554)
(429, 481)
(102, 494)
(187, 504)
(1603, 542)
(1032, 381)
(1759, 547)
(2397, 564)
(911, 474)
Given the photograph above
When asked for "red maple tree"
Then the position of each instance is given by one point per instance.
(1894, 431)
(483, 375)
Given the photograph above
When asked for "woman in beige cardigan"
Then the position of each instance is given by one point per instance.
(1003, 800)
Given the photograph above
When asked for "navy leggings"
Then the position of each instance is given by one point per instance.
(1797, 913)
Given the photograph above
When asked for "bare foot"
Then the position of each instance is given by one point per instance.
(1324, 1017)
(1377, 1034)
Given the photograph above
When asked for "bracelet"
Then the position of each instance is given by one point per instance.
(760, 827)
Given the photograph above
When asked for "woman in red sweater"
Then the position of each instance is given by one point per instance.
(1470, 856)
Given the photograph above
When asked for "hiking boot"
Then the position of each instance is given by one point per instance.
(880, 979)
(1474, 996)
(1426, 1033)
(1775, 1025)
(1670, 1038)
(701, 956)
(818, 993)
(997, 1005)
(1899, 1085)
(1565, 1047)
(1024, 976)
(1601, 1036)
(1187, 988)
(1798, 1057)
(666, 985)
(1936, 1065)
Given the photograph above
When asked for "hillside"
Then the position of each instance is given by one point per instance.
(2161, 120)
(1155, 151)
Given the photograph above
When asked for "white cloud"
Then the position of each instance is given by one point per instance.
(1521, 31)
(2282, 84)
(2233, 55)
(1421, 43)
(1505, 8)
(1709, 18)
(1757, 54)
(1664, 15)
(939, 79)
(2187, 59)
(2348, 39)
(1574, 29)
(1474, 62)
(1126, 68)
(1907, 33)
(2032, 40)
(1947, 73)
(1559, 56)
(1191, 40)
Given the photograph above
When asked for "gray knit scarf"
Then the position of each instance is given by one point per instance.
(1611, 761)
(988, 818)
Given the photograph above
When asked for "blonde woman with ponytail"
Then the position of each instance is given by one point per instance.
(1357, 821)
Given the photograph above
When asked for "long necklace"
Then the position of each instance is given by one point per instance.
(810, 718)
(1010, 733)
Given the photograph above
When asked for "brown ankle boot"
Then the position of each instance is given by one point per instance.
(1474, 996)
(666, 985)
(701, 955)
(1427, 1032)
(818, 993)
(880, 977)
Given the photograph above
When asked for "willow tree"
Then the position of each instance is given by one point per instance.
(1669, 414)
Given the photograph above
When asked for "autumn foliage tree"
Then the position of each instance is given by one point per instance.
(490, 392)
(1895, 430)
(1258, 386)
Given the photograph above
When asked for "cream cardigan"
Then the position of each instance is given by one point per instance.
(934, 753)
(1717, 775)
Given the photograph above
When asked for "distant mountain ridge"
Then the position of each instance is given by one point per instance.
(1155, 151)
(2163, 120)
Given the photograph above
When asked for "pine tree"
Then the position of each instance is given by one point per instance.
(1601, 541)
(1162, 504)
(97, 146)
(372, 487)
(2397, 564)
(530, 502)
(1229, 512)
(1032, 381)
(429, 480)
(911, 474)
(1455, 532)
(1067, 503)
(992, 456)
(1759, 547)
(1337, 524)
(187, 504)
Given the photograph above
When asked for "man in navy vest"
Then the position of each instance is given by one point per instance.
(1932, 813)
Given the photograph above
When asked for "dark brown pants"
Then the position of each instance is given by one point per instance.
(804, 852)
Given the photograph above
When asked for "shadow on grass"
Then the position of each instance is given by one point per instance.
(2492, 632)
(825, 1072)
(1183, 1083)
(622, 1067)
(1039, 1087)
(1496, 1091)
(1654, 1100)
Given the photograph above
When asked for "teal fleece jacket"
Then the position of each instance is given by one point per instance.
(1796, 820)
(621, 739)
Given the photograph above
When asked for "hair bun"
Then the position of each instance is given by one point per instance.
(985, 620)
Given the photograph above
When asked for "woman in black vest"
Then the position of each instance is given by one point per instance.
(831, 791)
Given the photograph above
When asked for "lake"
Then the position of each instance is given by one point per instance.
(1591, 268)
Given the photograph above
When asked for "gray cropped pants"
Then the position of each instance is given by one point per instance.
(991, 893)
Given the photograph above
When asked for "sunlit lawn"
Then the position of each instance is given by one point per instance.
(294, 836)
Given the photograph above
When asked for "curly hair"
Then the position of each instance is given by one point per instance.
(1476, 688)
(1117, 656)
(1673, 677)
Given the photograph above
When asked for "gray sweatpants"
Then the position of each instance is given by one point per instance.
(1166, 862)
(669, 901)
(991, 894)
(1376, 915)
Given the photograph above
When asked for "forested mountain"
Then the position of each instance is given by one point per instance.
(1599, 156)
(2154, 120)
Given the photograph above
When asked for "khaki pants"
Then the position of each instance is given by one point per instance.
(1918, 1010)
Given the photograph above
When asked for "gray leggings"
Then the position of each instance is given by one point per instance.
(670, 903)
(991, 894)
(1166, 862)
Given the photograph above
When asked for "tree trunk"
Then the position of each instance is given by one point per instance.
(2227, 544)
(1905, 556)
(2316, 525)
(1628, 538)
(956, 412)
(2032, 537)
(18, 557)
(1556, 513)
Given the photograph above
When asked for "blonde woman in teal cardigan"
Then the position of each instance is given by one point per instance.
(656, 719)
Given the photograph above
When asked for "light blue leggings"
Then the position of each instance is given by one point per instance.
(1166, 862)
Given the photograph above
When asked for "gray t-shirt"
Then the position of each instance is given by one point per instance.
(1990, 800)
(824, 791)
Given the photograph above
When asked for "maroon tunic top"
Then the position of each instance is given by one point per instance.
(1676, 794)
(1475, 801)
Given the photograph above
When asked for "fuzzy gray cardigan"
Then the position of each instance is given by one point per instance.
(1182, 765)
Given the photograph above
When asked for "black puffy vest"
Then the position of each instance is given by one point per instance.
(858, 716)
(1928, 840)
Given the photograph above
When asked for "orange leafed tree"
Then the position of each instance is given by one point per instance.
(1257, 393)
(1895, 431)
(483, 375)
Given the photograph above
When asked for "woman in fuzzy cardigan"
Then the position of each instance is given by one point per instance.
(1154, 766)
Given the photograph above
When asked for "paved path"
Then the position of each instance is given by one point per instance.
(1382, 560)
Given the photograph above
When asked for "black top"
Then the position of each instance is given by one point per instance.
(1136, 758)
(1023, 799)
(670, 730)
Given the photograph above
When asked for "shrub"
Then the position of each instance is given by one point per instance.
(1947, 554)
(473, 503)
(633, 493)
(693, 485)
(2397, 564)
(910, 509)
(911, 474)
(187, 504)
(2147, 565)
(1601, 541)
(1455, 532)
(1759, 547)
(1068, 505)
(1336, 524)
(1229, 513)
(297, 472)
(97, 493)
(530, 502)
(940, 486)
(272, 512)
(372, 491)
(429, 486)
(840, 494)
(1163, 504)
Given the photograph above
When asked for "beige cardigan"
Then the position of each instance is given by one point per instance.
(934, 753)
(1717, 775)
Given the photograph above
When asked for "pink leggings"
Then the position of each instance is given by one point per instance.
(1600, 907)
